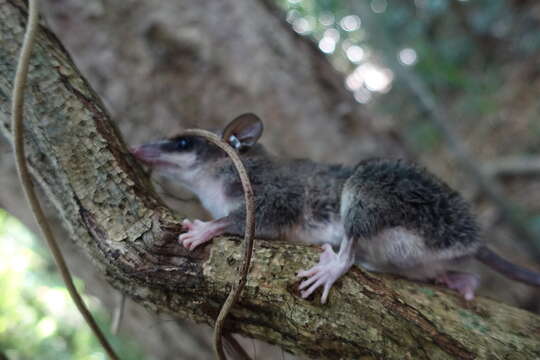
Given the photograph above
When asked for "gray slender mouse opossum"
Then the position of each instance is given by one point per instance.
(384, 215)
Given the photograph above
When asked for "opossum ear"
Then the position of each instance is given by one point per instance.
(243, 132)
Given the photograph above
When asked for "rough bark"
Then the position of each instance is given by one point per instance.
(159, 335)
(109, 209)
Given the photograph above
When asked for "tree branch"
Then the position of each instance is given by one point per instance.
(109, 207)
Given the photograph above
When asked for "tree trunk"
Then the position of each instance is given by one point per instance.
(109, 209)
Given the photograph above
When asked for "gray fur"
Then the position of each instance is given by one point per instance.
(405, 220)
(288, 194)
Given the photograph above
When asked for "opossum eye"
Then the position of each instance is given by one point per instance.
(183, 144)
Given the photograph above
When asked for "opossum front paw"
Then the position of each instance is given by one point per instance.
(198, 232)
(325, 274)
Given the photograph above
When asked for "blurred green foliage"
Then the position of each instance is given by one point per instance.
(37, 317)
(460, 45)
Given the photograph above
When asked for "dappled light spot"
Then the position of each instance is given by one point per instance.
(374, 78)
(350, 23)
(407, 56)
(355, 53)
(46, 327)
(302, 26)
(327, 45)
(354, 81)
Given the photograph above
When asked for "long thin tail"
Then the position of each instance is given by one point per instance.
(505, 267)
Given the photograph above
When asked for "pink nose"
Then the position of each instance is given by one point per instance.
(136, 151)
(145, 152)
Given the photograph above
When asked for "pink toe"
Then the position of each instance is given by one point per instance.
(186, 224)
(306, 273)
(309, 281)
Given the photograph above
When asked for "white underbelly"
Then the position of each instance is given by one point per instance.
(321, 233)
(400, 251)
(212, 195)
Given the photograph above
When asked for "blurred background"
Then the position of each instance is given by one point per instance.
(452, 84)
